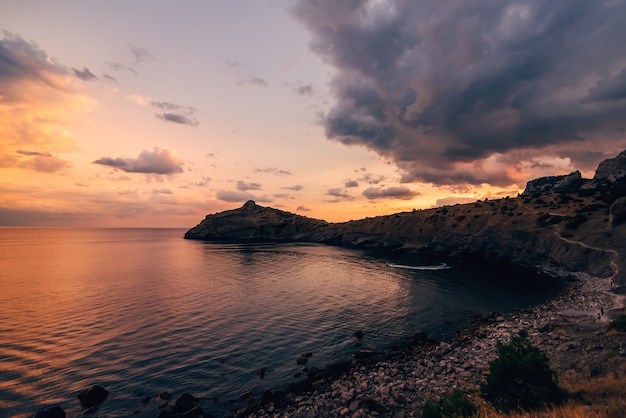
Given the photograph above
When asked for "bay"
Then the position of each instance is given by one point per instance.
(142, 311)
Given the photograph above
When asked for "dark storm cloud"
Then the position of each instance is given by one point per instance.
(157, 161)
(404, 193)
(447, 89)
(85, 74)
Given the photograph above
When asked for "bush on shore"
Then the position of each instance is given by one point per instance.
(521, 378)
(454, 405)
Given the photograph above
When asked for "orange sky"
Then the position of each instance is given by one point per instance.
(111, 116)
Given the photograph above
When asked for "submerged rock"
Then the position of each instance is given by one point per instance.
(91, 398)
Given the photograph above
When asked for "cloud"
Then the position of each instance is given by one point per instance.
(178, 114)
(451, 91)
(162, 191)
(253, 81)
(339, 194)
(234, 196)
(158, 161)
(303, 209)
(304, 90)
(39, 97)
(177, 118)
(41, 154)
(351, 183)
(120, 67)
(243, 186)
(271, 170)
(140, 54)
(374, 193)
(84, 74)
(295, 188)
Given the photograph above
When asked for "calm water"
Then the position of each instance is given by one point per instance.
(141, 311)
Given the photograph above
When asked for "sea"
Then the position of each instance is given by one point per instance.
(144, 311)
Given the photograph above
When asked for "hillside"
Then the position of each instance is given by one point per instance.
(565, 225)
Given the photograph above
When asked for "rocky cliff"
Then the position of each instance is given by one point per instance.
(563, 230)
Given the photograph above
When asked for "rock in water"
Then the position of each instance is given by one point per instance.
(51, 412)
(93, 397)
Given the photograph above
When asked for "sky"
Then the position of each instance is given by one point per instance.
(155, 113)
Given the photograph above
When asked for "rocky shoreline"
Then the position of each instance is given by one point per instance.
(396, 383)
(566, 328)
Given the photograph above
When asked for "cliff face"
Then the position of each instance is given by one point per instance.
(565, 231)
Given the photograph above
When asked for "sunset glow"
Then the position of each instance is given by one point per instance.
(115, 117)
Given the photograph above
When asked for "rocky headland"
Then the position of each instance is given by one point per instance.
(566, 226)
(563, 225)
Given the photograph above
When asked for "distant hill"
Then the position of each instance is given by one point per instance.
(564, 225)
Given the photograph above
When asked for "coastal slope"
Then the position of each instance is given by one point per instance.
(565, 225)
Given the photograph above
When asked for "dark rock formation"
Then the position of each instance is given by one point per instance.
(612, 169)
(618, 211)
(51, 412)
(91, 398)
(554, 184)
(253, 223)
(565, 230)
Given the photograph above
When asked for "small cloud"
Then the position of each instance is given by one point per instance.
(403, 193)
(175, 118)
(303, 209)
(233, 196)
(253, 81)
(140, 54)
(33, 153)
(140, 100)
(120, 67)
(46, 164)
(295, 188)
(77, 184)
(177, 113)
(109, 78)
(276, 171)
(351, 183)
(243, 186)
(84, 74)
(158, 161)
(162, 191)
(339, 194)
(306, 90)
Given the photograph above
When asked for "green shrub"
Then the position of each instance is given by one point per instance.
(619, 323)
(521, 378)
(455, 405)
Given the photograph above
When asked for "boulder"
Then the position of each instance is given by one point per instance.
(612, 169)
(617, 211)
(91, 398)
(51, 412)
(554, 184)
